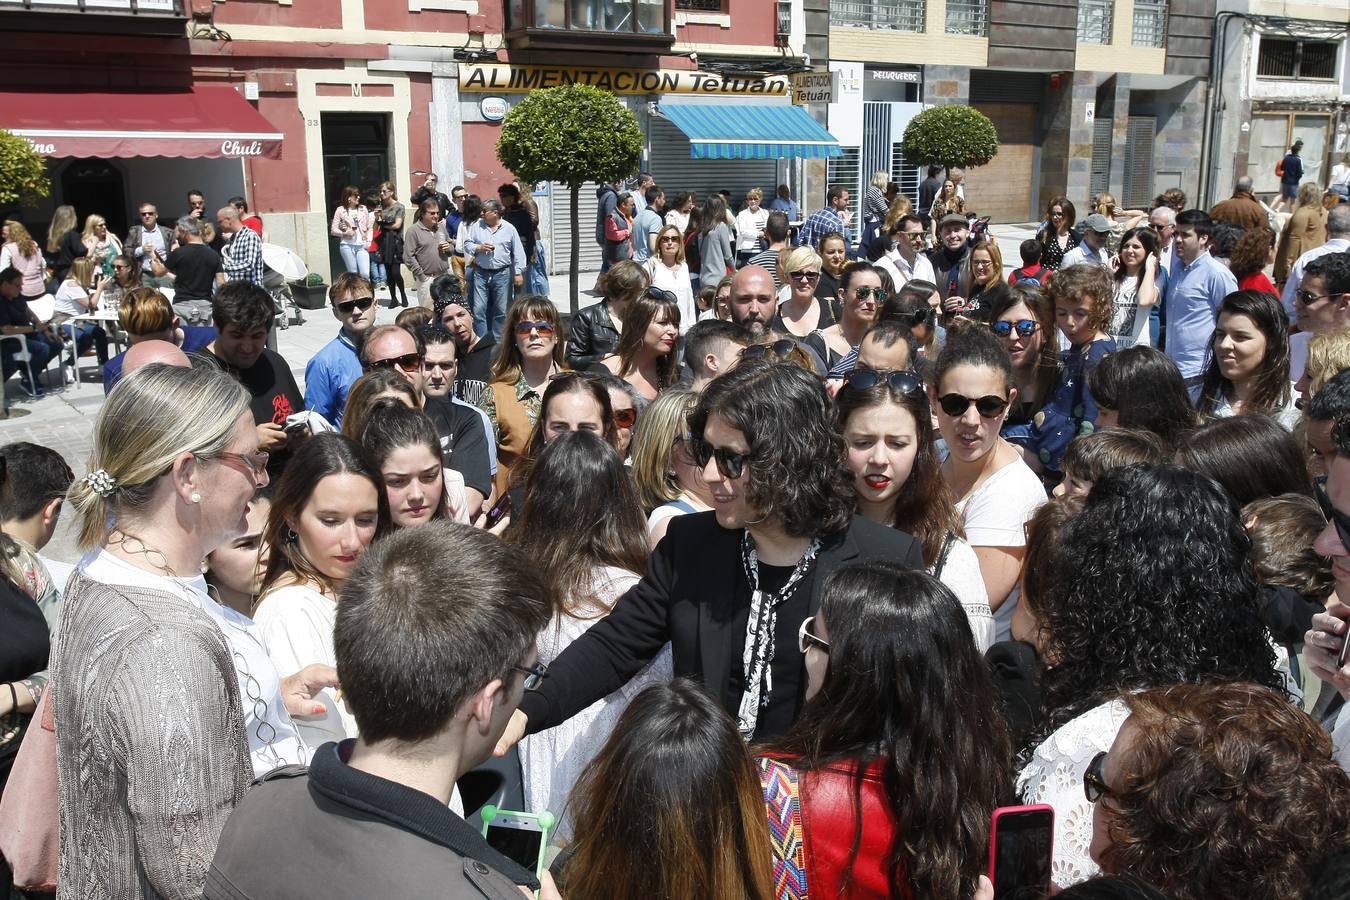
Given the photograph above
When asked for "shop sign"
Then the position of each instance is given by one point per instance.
(41, 149)
(493, 108)
(506, 78)
(241, 148)
(905, 75)
(814, 87)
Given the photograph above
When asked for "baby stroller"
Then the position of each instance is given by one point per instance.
(281, 266)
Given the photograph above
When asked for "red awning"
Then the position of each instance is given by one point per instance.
(210, 121)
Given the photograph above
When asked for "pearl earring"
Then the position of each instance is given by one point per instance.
(196, 497)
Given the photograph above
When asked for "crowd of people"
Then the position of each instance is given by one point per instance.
(772, 574)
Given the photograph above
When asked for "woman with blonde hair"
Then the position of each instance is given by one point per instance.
(64, 243)
(802, 312)
(25, 256)
(664, 471)
(1328, 356)
(901, 206)
(874, 206)
(1306, 229)
(100, 244)
(981, 272)
(946, 202)
(78, 295)
(668, 271)
(750, 222)
(163, 692)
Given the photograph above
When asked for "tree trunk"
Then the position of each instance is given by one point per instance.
(572, 275)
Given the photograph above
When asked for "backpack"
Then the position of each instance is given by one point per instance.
(1020, 277)
(1279, 168)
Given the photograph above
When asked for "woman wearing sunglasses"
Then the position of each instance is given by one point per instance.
(802, 313)
(890, 449)
(994, 491)
(891, 674)
(1023, 319)
(861, 298)
(530, 352)
(647, 354)
(668, 271)
(729, 588)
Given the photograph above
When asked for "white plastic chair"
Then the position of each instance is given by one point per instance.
(24, 357)
(43, 307)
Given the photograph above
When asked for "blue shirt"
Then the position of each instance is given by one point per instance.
(822, 222)
(778, 204)
(647, 223)
(1193, 298)
(195, 337)
(507, 250)
(328, 377)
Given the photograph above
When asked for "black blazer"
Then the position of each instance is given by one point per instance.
(686, 598)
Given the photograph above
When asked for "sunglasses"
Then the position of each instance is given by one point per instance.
(545, 329)
(346, 307)
(1094, 783)
(670, 239)
(730, 463)
(256, 463)
(988, 406)
(1334, 515)
(806, 639)
(876, 294)
(898, 380)
(534, 675)
(777, 348)
(802, 275)
(144, 214)
(625, 418)
(915, 237)
(1308, 298)
(1023, 327)
(656, 293)
(408, 362)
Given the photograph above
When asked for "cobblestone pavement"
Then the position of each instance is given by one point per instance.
(63, 418)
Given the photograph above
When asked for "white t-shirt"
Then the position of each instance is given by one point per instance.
(1298, 354)
(1130, 325)
(748, 226)
(70, 298)
(676, 281)
(995, 515)
(297, 628)
(961, 573)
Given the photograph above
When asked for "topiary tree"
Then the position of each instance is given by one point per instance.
(950, 136)
(23, 173)
(572, 134)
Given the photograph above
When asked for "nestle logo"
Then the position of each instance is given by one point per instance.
(237, 148)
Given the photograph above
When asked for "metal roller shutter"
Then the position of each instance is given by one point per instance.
(1139, 138)
(560, 253)
(674, 169)
(1101, 155)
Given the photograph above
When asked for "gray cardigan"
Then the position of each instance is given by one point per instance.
(151, 755)
(715, 255)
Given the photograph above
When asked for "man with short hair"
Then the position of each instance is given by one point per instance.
(648, 223)
(147, 316)
(243, 314)
(1092, 249)
(36, 481)
(1338, 241)
(1242, 209)
(1163, 221)
(929, 188)
(711, 347)
(1321, 304)
(463, 440)
(499, 262)
(148, 241)
(428, 191)
(606, 200)
(1199, 284)
(784, 204)
(440, 368)
(1329, 404)
(645, 182)
(371, 815)
(426, 248)
(776, 233)
(904, 262)
(515, 212)
(833, 217)
(332, 371)
(952, 249)
(888, 346)
(455, 214)
(195, 268)
(211, 235)
(17, 317)
(241, 259)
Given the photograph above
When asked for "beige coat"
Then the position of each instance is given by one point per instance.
(1307, 228)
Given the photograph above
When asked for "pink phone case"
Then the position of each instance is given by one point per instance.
(1012, 811)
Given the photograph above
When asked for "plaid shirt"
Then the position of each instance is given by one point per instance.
(821, 223)
(241, 258)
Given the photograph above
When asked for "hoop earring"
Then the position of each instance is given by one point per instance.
(289, 535)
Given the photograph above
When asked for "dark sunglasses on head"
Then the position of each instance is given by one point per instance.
(898, 380)
(656, 293)
(777, 348)
(803, 275)
(408, 362)
(989, 406)
(1334, 515)
(362, 303)
(545, 329)
(730, 463)
(1023, 327)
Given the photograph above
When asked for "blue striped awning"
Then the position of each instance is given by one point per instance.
(750, 131)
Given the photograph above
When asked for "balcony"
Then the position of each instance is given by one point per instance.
(616, 25)
(144, 17)
(894, 15)
(968, 17)
(1095, 20)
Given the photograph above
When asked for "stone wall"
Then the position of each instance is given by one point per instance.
(946, 85)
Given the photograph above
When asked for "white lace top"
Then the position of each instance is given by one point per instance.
(1055, 776)
(961, 573)
(552, 760)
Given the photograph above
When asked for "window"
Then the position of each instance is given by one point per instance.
(896, 15)
(581, 23)
(1150, 23)
(1293, 58)
(968, 17)
(1094, 21)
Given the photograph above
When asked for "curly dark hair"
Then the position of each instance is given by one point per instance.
(1087, 283)
(907, 689)
(1250, 253)
(1145, 387)
(1152, 586)
(796, 464)
(1225, 791)
(1270, 383)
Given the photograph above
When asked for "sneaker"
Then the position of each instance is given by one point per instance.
(69, 374)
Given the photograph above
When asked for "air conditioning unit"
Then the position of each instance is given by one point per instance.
(784, 13)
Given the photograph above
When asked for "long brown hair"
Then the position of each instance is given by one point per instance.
(642, 312)
(1270, 388)
(923, 506)
(671, 807)
(580, 513)
(526, 308)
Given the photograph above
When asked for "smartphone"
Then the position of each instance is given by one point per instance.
(519, 836)
(1345, 652)
(1020, 848)
(498, 511)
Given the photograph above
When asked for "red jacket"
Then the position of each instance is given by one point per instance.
(828, 820)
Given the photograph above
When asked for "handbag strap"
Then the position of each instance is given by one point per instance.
(783, 799)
